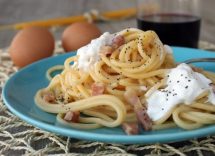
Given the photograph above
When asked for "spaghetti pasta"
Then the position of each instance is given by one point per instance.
(114, 85)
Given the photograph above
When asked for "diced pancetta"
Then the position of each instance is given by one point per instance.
(144, 119)
(72, 116)
(131, 97)
(49, 97)
(118, 41)
(97, 88)
(130, 128)
(140, 111)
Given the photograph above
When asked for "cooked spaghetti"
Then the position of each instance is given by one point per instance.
(116, 80)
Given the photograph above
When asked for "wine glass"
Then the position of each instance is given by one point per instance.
(177, 22)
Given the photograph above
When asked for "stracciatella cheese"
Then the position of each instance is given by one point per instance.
(89, 54)
(183, 86)
(168, 49)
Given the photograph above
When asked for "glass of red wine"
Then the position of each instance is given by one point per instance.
(177, 22)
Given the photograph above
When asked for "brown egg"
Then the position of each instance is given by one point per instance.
(31, 44)
(78, 35)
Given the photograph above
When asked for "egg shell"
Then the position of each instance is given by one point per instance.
(79, 34)
(31, 44)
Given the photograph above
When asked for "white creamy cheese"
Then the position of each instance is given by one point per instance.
(89, 54)
(168, 49)
(183, 86)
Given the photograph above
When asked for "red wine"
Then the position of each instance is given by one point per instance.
(173, 29)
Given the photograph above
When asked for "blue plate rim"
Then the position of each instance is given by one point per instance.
(109, 138)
